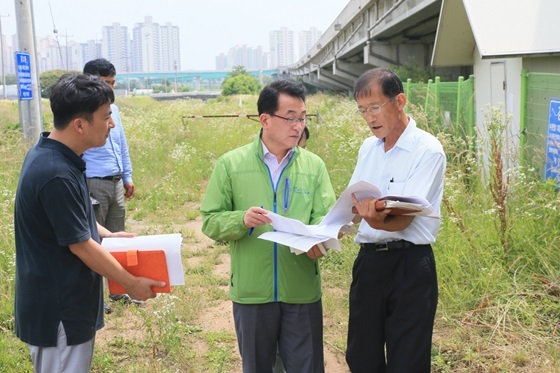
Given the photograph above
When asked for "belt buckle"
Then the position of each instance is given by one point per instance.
(382, 246)
(117, 178)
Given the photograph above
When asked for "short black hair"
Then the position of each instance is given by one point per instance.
(391, 84)
(78, 96)
(268, 98)
(305, 133)
(100, 67)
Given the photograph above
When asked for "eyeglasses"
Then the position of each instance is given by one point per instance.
(305, 120)
(373, 109)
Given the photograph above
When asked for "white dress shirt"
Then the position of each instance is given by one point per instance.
(274, 167)
(415, 166)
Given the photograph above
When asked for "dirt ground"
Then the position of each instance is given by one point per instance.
(219, 317)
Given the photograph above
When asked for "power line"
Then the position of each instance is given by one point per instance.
(55, 31)
(66, 38)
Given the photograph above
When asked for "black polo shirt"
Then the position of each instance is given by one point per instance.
(53, 210)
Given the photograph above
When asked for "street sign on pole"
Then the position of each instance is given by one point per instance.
(23, 63)
(29, 100)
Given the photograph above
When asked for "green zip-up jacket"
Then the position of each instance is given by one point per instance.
(262, 271)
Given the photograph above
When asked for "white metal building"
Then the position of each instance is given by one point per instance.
(499, 38)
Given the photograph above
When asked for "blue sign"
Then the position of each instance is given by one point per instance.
(23, 63)
(552, 164)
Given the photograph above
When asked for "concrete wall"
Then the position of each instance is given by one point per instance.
(542, 64)
(489, 92)
(498, 85)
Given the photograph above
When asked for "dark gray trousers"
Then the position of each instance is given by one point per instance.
(110, 213)
(295, 330)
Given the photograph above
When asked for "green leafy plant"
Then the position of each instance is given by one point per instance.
(240, 82)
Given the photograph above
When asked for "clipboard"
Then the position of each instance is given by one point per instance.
(398, 207)
(151, 264)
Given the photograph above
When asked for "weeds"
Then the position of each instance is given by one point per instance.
(499, 181)
(497, 252)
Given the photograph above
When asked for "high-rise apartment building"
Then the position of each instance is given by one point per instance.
(253, 59)
(91, 50)
(170, 51)
(8, 54)
(307, 39)
(221, 62)
(146, 47)
(115, 46)
(281, 47)
(155, 48)
(260, 59)
(53, 55)
(75, 56)
(281, 51)
(50, 54)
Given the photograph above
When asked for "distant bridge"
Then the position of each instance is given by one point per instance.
(187, 76)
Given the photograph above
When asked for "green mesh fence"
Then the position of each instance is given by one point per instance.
(450, 108)
(449, 105)
(541, 88)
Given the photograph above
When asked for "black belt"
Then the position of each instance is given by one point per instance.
(386, 246)
(114, 178)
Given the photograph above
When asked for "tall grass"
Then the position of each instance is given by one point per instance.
(497, 253)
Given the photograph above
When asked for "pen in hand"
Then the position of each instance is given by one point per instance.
(252, 229)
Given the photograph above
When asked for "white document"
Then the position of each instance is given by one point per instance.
(170, 243)
(295, 234)
(363, 189)
(301, 237)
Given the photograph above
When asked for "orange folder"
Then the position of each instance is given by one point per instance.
(150, 264)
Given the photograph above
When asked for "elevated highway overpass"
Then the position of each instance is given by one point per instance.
(367, 34)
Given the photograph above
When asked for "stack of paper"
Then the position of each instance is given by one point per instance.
(302, 237)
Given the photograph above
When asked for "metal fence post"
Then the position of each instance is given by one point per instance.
(523, 117)
(470, 112)
(407, 92)
(459, 108)
(428, 86)
(436, 94)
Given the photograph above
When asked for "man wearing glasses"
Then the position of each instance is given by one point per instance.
(276, 294)
(393, 296)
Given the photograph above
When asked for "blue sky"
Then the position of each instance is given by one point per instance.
(207, 27)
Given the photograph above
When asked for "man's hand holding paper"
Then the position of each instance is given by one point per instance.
(296, 235)
(254, 217)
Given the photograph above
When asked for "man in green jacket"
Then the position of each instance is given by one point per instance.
(276, 294)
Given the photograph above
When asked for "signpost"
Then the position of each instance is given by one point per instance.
(23, 63)
(552, 163)
(29, 101)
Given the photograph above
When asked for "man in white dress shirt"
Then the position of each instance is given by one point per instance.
(393, 296)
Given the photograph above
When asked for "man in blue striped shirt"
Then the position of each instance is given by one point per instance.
(108, 168)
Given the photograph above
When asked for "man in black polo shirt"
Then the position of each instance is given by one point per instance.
(59, 297)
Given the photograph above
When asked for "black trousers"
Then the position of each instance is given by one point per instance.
(393, 300)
